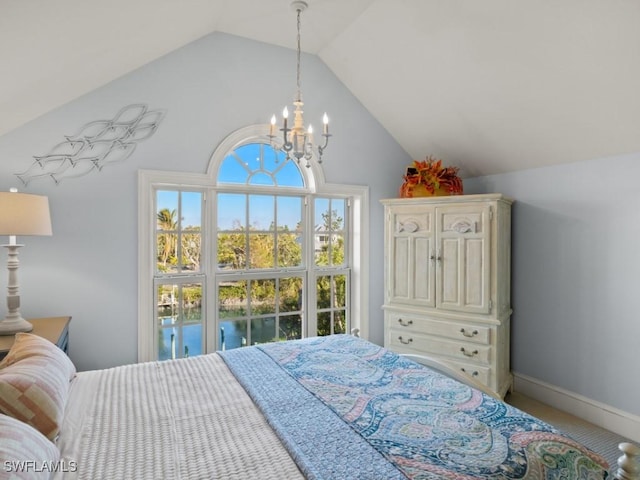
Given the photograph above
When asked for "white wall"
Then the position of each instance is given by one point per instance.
(576, 276)
(210, 88)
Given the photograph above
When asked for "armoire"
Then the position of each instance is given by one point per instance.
(448, 282)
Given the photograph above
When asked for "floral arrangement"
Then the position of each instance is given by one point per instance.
(429, 177)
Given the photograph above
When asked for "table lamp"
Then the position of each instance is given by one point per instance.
(20, 214)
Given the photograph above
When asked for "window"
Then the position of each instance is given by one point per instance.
(261, 275)
(257, 250)
(332, 266)
(179, 280)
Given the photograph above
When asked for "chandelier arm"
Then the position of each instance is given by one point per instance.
(326, 140)
(285, 135)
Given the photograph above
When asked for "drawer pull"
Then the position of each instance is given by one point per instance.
(467, 333)
(405, 323)
(407, 342)
(474, 374)
(468, 354)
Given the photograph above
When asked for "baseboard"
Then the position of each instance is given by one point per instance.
(618, 421)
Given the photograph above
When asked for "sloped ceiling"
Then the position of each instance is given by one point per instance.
(491, 86)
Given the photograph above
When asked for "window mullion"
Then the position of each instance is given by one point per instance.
(247, 230)
(276, 260)
(310, 327)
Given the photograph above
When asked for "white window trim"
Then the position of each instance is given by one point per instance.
(151, 180)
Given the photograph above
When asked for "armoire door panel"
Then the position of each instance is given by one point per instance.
(475, 275)
(400, 264)
(450, 274)
(423, 271)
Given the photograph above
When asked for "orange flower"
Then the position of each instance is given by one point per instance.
(433, 176)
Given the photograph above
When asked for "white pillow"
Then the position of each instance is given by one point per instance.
(24, 452)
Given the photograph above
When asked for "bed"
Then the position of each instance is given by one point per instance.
(335, 407)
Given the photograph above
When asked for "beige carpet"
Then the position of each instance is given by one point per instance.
(597, 439)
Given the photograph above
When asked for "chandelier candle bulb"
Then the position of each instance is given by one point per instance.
(325, 124)
(272, 126)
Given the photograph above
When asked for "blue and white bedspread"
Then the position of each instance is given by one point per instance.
(348, 409)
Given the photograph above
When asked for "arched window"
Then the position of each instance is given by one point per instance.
(259, 164)
(257, 250)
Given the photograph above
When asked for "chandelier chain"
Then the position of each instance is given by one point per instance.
(298, 57)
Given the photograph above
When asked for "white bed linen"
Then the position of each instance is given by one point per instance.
(183, 419)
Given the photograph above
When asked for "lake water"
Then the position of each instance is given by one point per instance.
(230, 337)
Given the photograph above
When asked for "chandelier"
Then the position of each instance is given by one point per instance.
(297, 140)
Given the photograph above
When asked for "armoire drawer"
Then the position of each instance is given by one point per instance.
(454, 330)
(404, 340)
(480, 373)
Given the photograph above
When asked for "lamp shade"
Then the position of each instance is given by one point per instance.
(24, 214)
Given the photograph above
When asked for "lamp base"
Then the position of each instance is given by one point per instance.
(11, 326)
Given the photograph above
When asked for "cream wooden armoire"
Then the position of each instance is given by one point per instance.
(447, 282)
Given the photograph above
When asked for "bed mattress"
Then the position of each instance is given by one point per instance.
(184, 419)
(324, 408)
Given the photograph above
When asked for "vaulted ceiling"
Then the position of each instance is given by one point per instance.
(492, 85)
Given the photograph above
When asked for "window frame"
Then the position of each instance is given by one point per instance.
(149, 181)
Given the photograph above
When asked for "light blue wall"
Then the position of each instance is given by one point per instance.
(210, 88)
(576, 276)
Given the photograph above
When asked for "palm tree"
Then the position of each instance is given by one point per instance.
(168, 241)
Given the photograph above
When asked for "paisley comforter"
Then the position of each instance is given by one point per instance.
(348, 409)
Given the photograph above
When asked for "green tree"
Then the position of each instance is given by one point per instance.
(331, 251)
(191, 248)
(167, 241)
(248, 248)
(331, 292)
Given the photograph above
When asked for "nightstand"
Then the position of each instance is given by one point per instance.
(54, 329)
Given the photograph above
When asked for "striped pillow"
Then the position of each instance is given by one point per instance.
(30, 345)
(21, 446)
(34, 383)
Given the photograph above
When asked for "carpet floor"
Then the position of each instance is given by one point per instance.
(597, 439)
